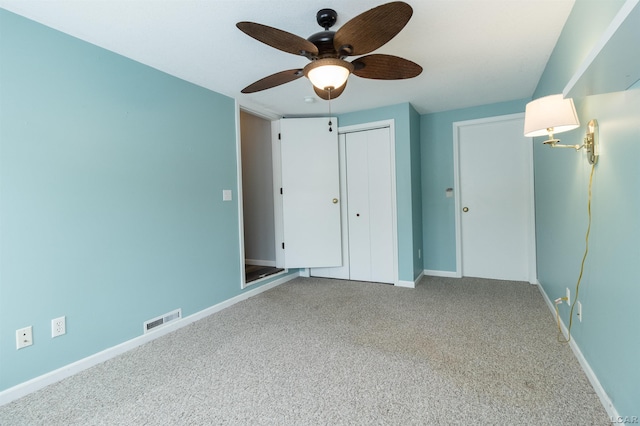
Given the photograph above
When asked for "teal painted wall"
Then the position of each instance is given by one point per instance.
(438, 212)
(608, 336)
(111, 211)
(407, 195)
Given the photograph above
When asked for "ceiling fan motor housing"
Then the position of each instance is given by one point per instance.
(324, 42)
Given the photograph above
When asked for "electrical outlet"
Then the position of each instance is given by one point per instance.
(58, 326)
(579, 306)
(24, 337)
(568, 296)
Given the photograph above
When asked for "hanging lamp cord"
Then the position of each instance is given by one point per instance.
(584, 258)
(330, 123)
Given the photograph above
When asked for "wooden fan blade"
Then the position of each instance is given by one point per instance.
(385, 67)
(279, 39)
(372, 29)
(273, 80)
(324, 94)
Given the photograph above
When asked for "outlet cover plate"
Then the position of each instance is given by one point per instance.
(58, 326)
(579, 305)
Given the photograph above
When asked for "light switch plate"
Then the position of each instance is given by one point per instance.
(226, 195)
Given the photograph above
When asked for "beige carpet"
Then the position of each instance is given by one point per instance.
(328, 352)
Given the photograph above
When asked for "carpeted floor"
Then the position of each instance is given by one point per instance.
(328, 352)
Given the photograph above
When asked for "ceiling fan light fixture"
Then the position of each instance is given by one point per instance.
(328, 70)
(328, 73)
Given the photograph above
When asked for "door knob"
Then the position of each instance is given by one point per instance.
(335, 201)
(465, 209)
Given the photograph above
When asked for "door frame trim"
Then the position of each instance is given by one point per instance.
(457, 125)
(239, 191)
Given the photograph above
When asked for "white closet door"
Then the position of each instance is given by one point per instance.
(368, 156)
(380, 205)
(359, 219)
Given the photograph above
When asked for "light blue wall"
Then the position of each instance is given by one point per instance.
(111, 211)
(438, 212)
(407, 179)
(609, 335)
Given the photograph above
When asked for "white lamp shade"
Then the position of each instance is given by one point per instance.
(550, 114)
(328, 72)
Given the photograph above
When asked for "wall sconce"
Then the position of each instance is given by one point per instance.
(554, 114)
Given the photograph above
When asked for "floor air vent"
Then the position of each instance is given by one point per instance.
(162, 320)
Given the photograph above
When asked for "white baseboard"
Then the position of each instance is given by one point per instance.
(409, 284)
(54, 376)
(258, 262)
(446, 274)
(593, 379)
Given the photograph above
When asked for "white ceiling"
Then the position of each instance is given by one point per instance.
(474, 52)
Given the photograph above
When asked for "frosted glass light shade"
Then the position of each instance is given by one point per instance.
(328, 73)
(548, 115)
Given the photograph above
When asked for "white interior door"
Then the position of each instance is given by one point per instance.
(495, 199)
(340, 272)
(310, 193)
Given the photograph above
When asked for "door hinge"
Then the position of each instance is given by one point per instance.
(279, 136)
(280, 191)
(282, 246)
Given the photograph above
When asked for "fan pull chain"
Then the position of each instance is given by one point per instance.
(330, 123)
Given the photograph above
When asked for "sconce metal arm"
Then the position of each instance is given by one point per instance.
(553, 143)
(590, 142)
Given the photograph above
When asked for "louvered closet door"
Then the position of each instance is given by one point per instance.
(368, 164)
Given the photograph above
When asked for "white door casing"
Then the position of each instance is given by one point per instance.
(311, 193)
(494, 184)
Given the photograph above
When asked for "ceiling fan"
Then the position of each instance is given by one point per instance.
(328, 70)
